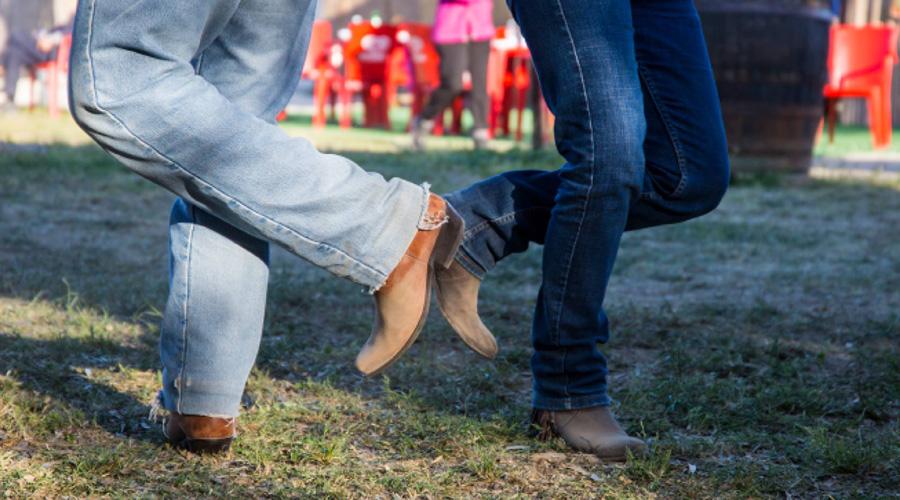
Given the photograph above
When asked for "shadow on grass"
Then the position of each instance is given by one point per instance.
(61, 377)
(74, 213)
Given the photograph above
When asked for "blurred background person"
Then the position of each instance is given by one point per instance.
(462, 33)
(23, 50)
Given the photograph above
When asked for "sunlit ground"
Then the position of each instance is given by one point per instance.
(755, 348)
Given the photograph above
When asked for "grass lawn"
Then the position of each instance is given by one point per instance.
(757, 349)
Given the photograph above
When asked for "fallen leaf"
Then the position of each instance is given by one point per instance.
(550, 456)
(517, 448)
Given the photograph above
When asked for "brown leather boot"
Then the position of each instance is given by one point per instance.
(457, 296)
(402, 302)
(588, 430)
(199, 434)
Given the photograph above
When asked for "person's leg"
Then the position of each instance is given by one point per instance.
(686, 155)
(212, 323)
(218, 274)
(584, 55)
(21, 52)
(135, 90)
(479, 52)
(686, 160)
(453, 63)
(151, 81)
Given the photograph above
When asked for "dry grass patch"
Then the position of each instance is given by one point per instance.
(755, 349)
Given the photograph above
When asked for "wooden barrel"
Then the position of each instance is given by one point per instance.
(770, 62)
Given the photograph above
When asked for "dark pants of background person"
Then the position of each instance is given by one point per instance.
(456, 58)
(21, 52)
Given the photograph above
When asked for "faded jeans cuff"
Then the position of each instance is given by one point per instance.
(562, 404)
(422, 223)
(470, 265)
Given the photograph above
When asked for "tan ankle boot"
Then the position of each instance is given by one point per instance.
(457, 296)
(402, 302)
(589, 430)
(200, 434)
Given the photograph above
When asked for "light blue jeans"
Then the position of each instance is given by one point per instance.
(185, 93)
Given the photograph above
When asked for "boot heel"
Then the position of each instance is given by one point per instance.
(449, 239)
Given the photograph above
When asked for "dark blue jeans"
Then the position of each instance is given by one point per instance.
(639, 125)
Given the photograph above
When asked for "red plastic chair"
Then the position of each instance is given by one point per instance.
(509, 79)
(860, 63)
(423, 63)
(55, 71)
(397, 73)
(366, 57)
(318, 67)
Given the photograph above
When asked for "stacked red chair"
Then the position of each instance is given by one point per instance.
(319, 68)
(366, 57)
(509, 80)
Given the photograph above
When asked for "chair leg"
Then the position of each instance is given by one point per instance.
(346, 104)
(33, 79)
(53, 92)
(320, 96)
(521, 85)
(831, 117)
(456, 124)
(876, 119)
(886, 125)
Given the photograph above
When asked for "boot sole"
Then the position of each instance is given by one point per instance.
(445, 248)
(206, 446)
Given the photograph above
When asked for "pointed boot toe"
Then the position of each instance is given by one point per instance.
(589, 430)
(456, 290)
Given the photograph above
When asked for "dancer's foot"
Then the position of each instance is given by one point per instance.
(482, 138)
(590, 430)
(402, 302)
(8, 108)
(457, 296)
(420, 130)
(200, 434)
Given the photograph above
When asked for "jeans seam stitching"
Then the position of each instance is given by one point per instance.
(465, 259)
(673, 137)
(485, 225)
(187, 300)
(590, 121)
(192, 174)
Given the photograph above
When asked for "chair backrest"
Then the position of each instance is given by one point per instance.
(62, 53)
(422, 56)
(857, 55)
(319, 43)
(366, 51)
